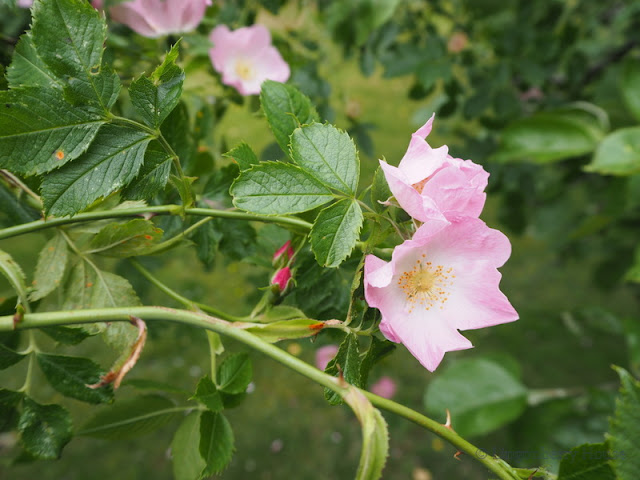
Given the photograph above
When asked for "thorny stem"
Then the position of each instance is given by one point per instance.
(235, 331)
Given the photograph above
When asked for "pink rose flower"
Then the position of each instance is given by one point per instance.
(155, 18)
(384, 387)
(245, 58)
(324, 355)
(25, 3)
(429, 184)
(444, 282)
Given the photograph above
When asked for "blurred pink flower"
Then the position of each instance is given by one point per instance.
(281, 279)
(25, 3)
(384, 387)
(155, 18)
(429, 184)
(285, 252)
(324, 355)
(245, 58)
(444, 282)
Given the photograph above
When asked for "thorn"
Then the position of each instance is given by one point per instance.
(19, 316)
(533, 474)
(457, 455)
(447, 423)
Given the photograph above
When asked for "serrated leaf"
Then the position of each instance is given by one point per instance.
(336, 231)
(208, 395)
(618, 153)
(15, 211)
(274, 188)
(131, 418)
(188, 464)
(375, 436)
(39, 131)
(176, 130)
(155, 97)
(44, 429)
(218, 185)
(630, 86)
(624, 428)
(480, 394)
(52, 263)
(153, 176)
(71, 375)
(28, 69)
(9, 401)
(587, 462)
(234, 373)
(68, 335)
(125, 239)
(216, 442)
(111, 162)
(69, 36)
(287, 329)
(12, 271)
(207, 238)
(328, 154)
(8, 357)
(346, 362)
(243, 155)
(286, 109)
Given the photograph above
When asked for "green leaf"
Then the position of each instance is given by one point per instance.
(274, 188)
(52, 263)
(207, 238)
(155, 97)
(630, 86)
(286, 109)
(153, 176)
(347, 362)
(68, 335)
(375, 436)
(480, 394)
(379, 190)
(39, 131)
(618, 153)
(128, 239)
(336, 231)
(44, 429)
(112, 161)
(548, 137)
(12, 271)
(287, 329)
(131, 418)
(624, 428)
(28, 69)
(590, 461)
(208, 395)
(188, 464)
(8, 357)
(328, 154)
(216, 442)
(234, 373)
(377, 351)
(69, 36)
(15, 211)
(243, 156)
(72, 375)
(279, 313)
(9, 401)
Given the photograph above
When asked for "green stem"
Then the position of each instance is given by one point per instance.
(38, 225)
(168, 244)
(201, 320)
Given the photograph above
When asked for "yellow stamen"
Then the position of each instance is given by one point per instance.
(425, 285)
(245, 70)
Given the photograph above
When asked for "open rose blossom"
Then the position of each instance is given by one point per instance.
(245, 58)
(429, 184)
(156, 18)
(444, 282)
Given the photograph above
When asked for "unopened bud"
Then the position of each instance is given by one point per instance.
(285, 253)
(280, 281)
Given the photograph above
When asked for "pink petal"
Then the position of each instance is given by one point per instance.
(324, 355)
(385, 387)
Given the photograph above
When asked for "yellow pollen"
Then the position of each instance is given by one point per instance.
(425, 285)
(245, 70)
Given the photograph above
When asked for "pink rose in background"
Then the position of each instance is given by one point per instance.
(324, 355)
(444, 282)
(384, 387)
(25, 3)
(429, 184)
(245, 58)
(155, 18)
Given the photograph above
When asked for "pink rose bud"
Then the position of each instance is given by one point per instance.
(324, 355)
(285, 252)
(280, 281)
(385, 387)
(156, 18)
(245, 58)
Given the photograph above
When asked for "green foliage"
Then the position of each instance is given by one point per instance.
(624, 439)
(44, 429)
(91, 288)
(207, 394)
(289, 329)
(12, 271)
(188, 464)
(336, 231)
(630, 86)
(234, 373)
(52, 263)
(8, 357)
(286, 109)
(243, 156)
(216, 442)
(346, 363)
(9, 401)
(587, 462)
(480, 394)
(130, 418)
(153, 175)
(125, 239)
(618, 153)
(28, 69)
(73, 377)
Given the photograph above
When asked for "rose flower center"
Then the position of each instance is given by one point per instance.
(245, 70)
(426, 285)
